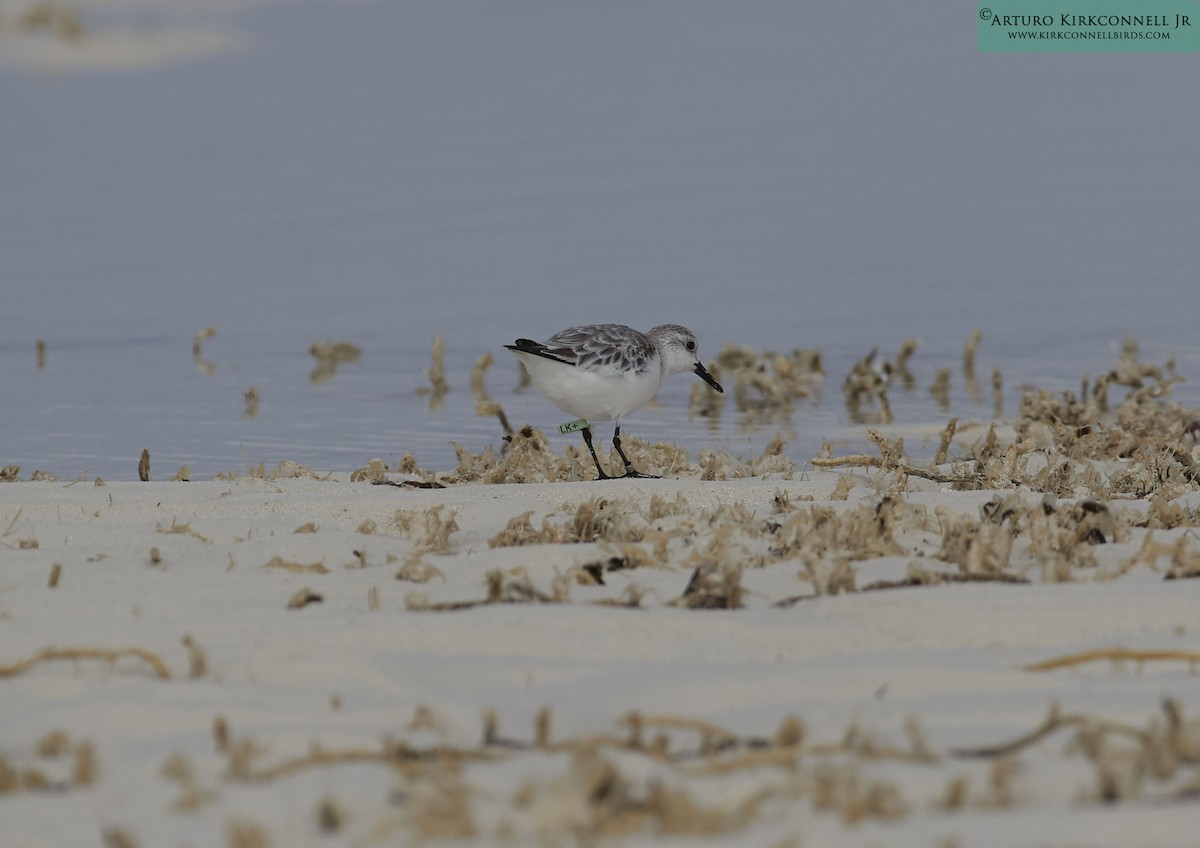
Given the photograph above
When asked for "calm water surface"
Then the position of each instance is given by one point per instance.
(775, 174)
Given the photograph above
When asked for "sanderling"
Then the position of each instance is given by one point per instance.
(603, 372)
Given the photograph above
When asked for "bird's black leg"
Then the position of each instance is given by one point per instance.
(630, 471)
(587, 438)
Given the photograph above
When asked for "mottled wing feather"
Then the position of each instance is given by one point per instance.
(602, 347)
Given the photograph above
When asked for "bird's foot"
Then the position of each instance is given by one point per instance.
(630, 471)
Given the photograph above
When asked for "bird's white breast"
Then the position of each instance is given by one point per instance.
(588, 394)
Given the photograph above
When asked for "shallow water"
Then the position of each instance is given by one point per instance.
(774, 174)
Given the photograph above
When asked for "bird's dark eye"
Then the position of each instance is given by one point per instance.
(691, 345)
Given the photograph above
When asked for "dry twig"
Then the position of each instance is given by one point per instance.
(48, 654)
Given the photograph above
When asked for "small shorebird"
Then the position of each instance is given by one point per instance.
(603, 372)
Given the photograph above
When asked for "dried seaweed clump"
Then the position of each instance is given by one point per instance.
(373, 472)
(56, 764)
(772, 460)
(1066, 446)
(484, 405)
(598, 519)
(767, 384)
(438, 387)
(715, 464)
(525, 458)
(1149, 439)
(503, 587)
(865, 386)
(287, 470)
(713, 585)
(661, 459)
(329, 357)
(824, 533)
(430, 529)
(60, 20)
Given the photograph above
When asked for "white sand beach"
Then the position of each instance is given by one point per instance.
(771, 661)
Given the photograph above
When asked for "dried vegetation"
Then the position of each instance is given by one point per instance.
(662, 775)
(329, 357)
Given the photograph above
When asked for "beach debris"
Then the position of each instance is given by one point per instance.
(10, 473)
(940, 390)
(197, 659)
(900, 367)
(330, 815)
(178, 769)
(939, 457)
(303, 597)
(1119, 657)
(202, 364)
(766, 384)
(375, 471)
(867, 384)
(712, 586)
(429, 529)
(1125, 758)
(410, 484)
(484, 405)
(77, 654)
(118, 837)
(220, 734)
(512, 587)
(55, 574)
(1185, 560)
(655, 772)
(527, 457)
(59, 764)
(144, 466)
(972, 383)
(12, 524)
(416, 570)
(281, 564)
(438, 387)
(253, 472)
(181, 530)
(330, 356)
(287, 469)
(240, 833)
(251, 398)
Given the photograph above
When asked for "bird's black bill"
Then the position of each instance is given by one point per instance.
(703, 374)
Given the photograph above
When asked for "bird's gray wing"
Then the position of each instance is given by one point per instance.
(602, 347)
